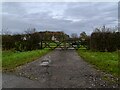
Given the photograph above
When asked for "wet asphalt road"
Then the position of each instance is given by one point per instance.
(66, 70)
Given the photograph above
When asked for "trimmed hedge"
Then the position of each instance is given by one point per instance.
(18, 43)
(105, 41)
(29, 41)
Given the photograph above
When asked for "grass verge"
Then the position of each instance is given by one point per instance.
(11, 60)
(105, 61)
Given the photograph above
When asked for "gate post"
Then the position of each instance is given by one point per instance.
(64, 44)
(41, 44)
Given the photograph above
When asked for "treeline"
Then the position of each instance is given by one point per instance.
(29, 41)
(103, 40)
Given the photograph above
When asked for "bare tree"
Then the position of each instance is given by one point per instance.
(74, 35)
(6, 32)
(30, 30)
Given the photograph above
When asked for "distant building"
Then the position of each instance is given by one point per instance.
(24, 38)
(53, 38)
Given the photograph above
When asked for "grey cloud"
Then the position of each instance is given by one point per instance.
(95, 14)
(13, 8)
(19, 16)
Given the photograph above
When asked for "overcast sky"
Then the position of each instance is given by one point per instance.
(69, 17)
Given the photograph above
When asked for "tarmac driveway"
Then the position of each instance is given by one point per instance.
(65, 69)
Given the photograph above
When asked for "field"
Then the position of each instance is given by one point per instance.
(105, 61)
(54, 45)
(12, 59)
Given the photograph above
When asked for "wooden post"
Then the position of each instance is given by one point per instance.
(64, 44)
(41, 44)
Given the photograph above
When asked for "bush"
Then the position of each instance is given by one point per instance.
(7, 42)
(105, 41)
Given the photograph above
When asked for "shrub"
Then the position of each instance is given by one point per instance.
(105, 41)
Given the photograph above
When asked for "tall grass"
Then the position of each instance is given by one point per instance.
(11, 60)
(105, 61)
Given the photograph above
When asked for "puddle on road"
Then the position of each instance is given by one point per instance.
(46, 61)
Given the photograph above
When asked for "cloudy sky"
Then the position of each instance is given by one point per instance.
(74, 17)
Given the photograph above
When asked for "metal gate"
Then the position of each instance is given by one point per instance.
(65, 44)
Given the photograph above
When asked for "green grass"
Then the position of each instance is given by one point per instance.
(11, 60)
(53, 45)
(105, 61)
